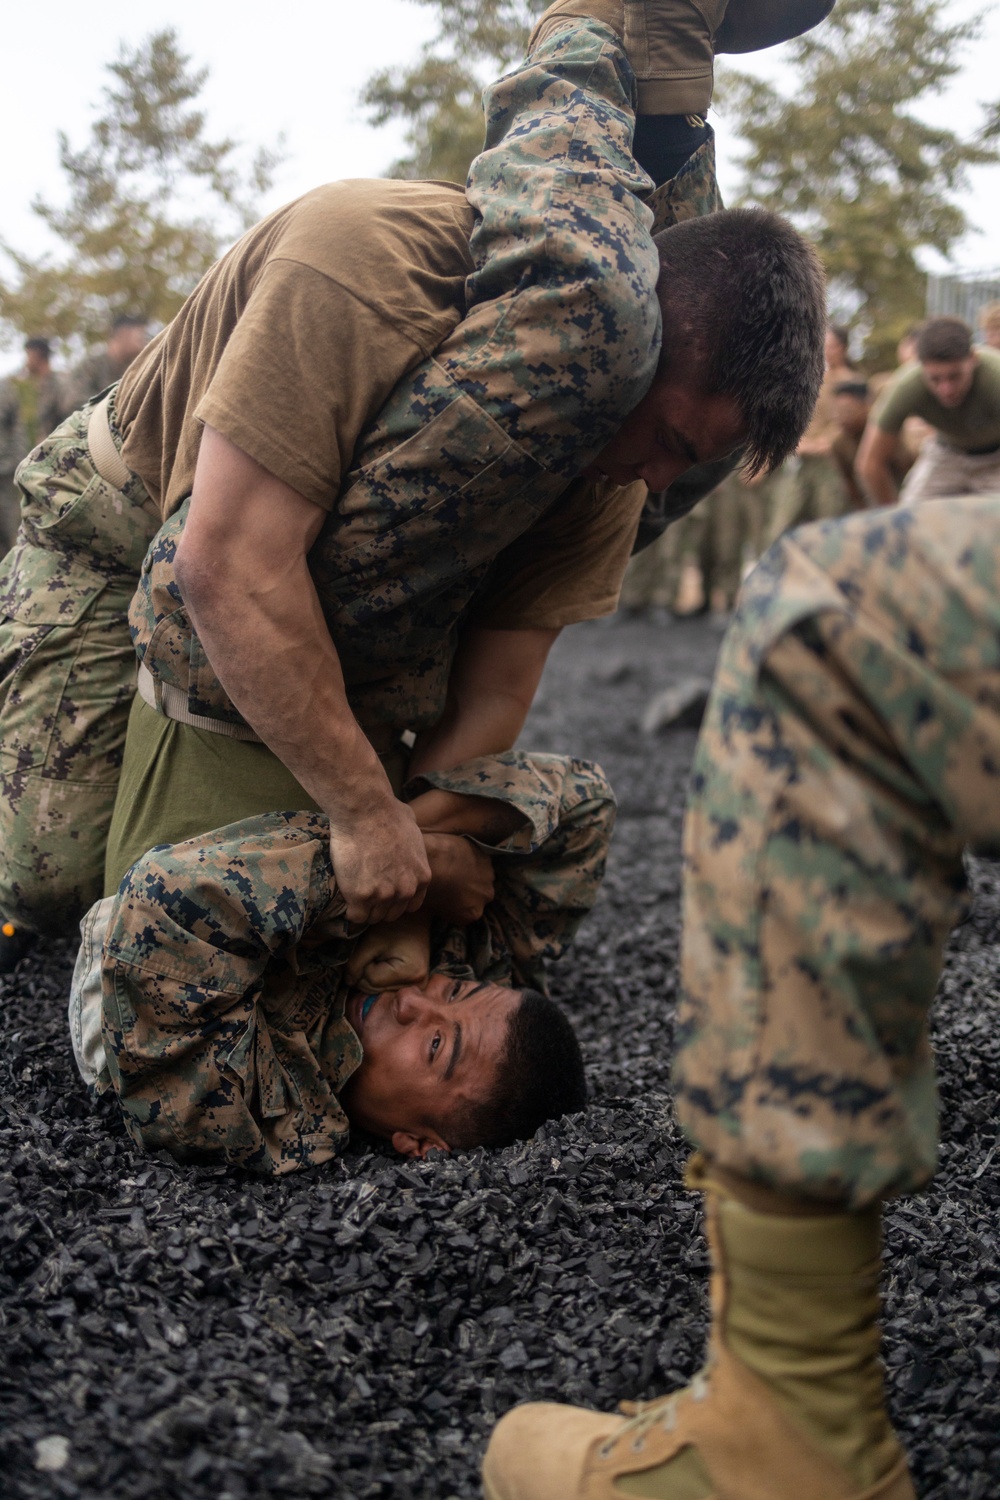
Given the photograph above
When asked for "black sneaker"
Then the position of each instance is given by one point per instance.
(14, 944)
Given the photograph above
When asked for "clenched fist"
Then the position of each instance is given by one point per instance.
(380, 864)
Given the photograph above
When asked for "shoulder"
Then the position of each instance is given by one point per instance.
(903, 393)
(988, 371)
(344, 223)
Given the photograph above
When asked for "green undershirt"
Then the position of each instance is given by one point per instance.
(178, 782)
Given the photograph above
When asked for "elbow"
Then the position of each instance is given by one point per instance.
(198, 578)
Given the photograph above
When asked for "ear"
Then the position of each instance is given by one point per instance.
(417, 1145)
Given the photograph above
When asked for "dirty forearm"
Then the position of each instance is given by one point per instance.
(492, 685)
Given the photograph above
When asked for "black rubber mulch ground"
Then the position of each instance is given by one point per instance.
(355, 1332)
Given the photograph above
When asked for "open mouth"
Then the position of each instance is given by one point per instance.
(357, 1009)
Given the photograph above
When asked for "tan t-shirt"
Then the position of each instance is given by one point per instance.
(293, 341)
(295, 337)
(569, 566)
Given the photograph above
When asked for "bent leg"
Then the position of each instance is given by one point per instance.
(548, 874)
(67, 674)
(851, 750)
(562, 333)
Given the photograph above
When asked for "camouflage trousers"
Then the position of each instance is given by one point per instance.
(209, 991)
(941, 471)
(10, 510)
(719, 534)
(67, 674)
(809, 489)
(851, 750)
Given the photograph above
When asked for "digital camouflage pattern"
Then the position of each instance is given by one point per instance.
(560, 341)
(29, 408)
(850, 751)
(469, 450)
(224, 962)
(67, 674)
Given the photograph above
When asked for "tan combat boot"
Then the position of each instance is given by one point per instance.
(671, 44)
(668, 43)
(790, 1403)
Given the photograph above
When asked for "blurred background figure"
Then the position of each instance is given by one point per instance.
(30, 406)
(730, 539)
(812, 486)
(699, 562)
(989, 324)
(128, 337)
(906, 354)
(914, 431)
(851, 404)
(956, 390)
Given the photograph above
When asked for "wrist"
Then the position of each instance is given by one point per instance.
(489, 819)
(351, 786)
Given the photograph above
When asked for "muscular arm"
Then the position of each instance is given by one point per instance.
(493, 681)
(242, 570)
(873, 465)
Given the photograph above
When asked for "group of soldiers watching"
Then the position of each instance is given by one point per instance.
(36, 398)
(697, 565)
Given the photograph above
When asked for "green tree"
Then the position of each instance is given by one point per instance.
(843, 154)
(151, 203)
(440, 96)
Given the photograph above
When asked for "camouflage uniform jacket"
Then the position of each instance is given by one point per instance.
(224, 962)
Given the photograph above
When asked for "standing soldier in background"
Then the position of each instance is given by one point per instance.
(812, 485)
(906, 354)
(954, 388)
(852, 403)
(128, 337)
(721, 535)
(989, 324)
(850, 752)
(30, 406)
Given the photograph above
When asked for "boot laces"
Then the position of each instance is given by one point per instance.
(663, 1410)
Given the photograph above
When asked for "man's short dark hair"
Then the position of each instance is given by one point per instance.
(744, 294)
(944, 340)
(539, 1077)
(128, 320)
(41, 346)
(856, 388)
(842, 334)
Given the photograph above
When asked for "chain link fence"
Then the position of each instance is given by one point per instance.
(962, 296)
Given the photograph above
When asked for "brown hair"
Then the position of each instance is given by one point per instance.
(944, 340)
(743, 298)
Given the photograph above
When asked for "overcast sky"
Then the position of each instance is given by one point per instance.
(298, 69)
